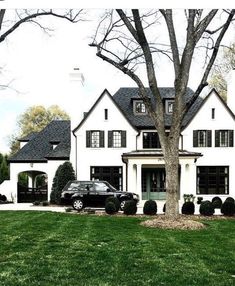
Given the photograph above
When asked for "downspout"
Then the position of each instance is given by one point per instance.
(76, 175)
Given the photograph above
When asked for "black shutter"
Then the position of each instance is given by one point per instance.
(123, 139)
(195, 138)
(217, 138)
(230, 134)
(208, 138)
(110, 139)
(101, 139)
(88, 139)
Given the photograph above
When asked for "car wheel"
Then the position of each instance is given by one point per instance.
(122, 204)
(78, 204)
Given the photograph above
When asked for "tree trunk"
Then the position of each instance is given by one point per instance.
(172, 182)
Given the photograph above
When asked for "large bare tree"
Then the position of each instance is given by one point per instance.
(126, 39)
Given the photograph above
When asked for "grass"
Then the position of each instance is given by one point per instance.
(43, 248)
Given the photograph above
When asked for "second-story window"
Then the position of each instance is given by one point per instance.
(169, 106)
(151, 140)
(95, 139)
(117, 139)
(139, 107)
(223, 138)
(201, 138)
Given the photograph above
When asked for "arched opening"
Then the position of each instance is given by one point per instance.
(32, 186)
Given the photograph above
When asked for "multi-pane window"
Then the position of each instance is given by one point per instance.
(111, 174)
(139, 107)
(117, 139)
(95, 139)
(169, 106)
(151, 140)
(201, 138)
(212, 180)
(223, 138)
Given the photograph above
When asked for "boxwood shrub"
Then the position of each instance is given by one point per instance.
(110, 207)
(206, 208)
(229, 199)
(228, 208)
(188, 208)
(217, 202)
(130, 208)
(115, 201)
(150, 207)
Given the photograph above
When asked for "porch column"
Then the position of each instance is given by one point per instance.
(139, 180)
(130, 177)
(183, 180)
(192, 183)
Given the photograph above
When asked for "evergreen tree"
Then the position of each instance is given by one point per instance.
(63, 174)
(4, 169)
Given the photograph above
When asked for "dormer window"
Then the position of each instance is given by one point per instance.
(139, 107)
(169, 104)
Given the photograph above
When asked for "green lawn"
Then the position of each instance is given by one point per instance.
(43, 248)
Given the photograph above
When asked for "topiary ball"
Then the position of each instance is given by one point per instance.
(110, 208)
(206, 208)
(115, 201)
(150, 207)
(217, 202)
(228, 208)
(230, 199)
(130, 208)
(188, 208)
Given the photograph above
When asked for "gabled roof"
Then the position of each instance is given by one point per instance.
(125, 95)
(40, 148)
(28, 137)
(87, 114)
(213, 91)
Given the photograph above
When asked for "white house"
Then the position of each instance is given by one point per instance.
(116, 141)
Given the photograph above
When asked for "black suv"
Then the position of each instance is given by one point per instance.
(93, 193)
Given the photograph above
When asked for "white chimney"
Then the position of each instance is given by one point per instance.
(75, 98)
(231, 90)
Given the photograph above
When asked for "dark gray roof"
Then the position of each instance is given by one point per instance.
(28, 137)
(125, 95)
(40, 148)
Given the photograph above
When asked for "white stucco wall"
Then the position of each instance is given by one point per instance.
(16, 168)
(87, 157)
(212, 156)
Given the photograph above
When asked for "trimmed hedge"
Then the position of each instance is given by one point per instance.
(206, 208)
(110, 208)
(115, 201)
(228, 208)
(188, 208)
(230, 199)
(150, 207)
(130, 208)
(217, 202)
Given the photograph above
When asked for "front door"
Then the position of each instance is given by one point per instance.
(153, 184)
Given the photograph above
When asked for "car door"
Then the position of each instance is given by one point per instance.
(102, 192)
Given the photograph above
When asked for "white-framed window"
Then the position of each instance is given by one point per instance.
(202, 138)
(224, 138)
(117, 139)
(139, 107)
(94, 139)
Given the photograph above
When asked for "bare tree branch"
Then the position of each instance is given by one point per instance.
(68, 16)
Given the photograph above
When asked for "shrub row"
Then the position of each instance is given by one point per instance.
(207, 207)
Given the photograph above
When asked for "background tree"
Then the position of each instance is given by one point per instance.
(64, 173)
(34, 119)
(4, 169)
(126, 39)
(223, 65)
